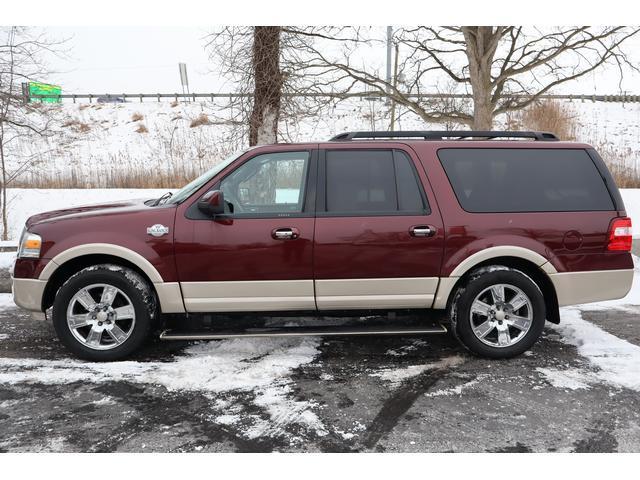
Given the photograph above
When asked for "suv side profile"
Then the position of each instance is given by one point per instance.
(497, 229)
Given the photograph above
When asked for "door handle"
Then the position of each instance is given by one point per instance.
(422, 231)
(285, 233)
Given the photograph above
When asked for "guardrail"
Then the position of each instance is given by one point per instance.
(112, 97)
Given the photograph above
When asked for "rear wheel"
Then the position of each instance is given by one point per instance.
(499, 313)
(104, 312)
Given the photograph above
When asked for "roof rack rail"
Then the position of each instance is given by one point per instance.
(445, 134)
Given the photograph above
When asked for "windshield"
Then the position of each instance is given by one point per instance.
(186, 191)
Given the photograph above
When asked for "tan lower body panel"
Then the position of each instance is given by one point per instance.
(27, 293)
(170, 297)
(375, 293)
(574, 288)
(258, 296)
(444, 290)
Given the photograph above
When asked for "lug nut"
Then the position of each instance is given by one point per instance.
(99, 324)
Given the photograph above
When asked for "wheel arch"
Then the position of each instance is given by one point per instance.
(58, 276)
(526, 265)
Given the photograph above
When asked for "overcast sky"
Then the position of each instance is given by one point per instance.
(145, 59)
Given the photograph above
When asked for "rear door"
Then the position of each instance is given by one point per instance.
(378, 238)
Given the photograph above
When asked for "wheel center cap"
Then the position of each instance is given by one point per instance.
(499, 315)
(102, 316)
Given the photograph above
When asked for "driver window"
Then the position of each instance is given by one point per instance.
(268, 183)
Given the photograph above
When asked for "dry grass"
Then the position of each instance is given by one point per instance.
(142, 129)
(201, 119)
(77, 125)
(136, 117)
(115, 178)
(547, 116)
(625, 175)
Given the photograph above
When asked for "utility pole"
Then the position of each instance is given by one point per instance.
(389, 56)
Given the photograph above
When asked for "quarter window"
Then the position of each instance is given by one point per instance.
(525, 180)
(272, 183)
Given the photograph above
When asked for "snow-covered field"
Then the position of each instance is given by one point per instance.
(93, 140)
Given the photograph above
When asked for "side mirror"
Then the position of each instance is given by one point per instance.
(212, 203)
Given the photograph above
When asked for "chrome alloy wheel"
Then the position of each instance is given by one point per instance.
(101, 316)
(501, 315)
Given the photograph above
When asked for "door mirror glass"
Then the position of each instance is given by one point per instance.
(212, 203)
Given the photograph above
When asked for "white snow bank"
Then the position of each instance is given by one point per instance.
(631, 198)
(6, 259)
(22, 202)
(6, 301)
(617, 361)
(262, 368)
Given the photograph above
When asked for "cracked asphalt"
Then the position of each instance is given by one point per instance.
(352, 394)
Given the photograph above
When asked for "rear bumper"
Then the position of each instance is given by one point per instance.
(573, 288)
(27, 293)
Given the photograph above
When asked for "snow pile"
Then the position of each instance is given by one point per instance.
(261, 369)
(631, 198)
(617, 361)
(6, 301)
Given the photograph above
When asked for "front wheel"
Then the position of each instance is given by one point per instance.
(104, 312)
(499, 313)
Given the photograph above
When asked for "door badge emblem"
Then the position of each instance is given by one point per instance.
(157, 230)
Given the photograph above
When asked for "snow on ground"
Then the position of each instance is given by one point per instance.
(631, 198)
(6, 301)
(396, 376)
(240, 366)
(26, 202)
(6, 260)
(617, 361)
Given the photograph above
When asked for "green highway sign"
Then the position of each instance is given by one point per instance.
(37, 88)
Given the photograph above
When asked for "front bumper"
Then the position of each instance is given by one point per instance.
(28, 292)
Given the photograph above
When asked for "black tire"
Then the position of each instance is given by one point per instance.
(479, 281)
(129, 282)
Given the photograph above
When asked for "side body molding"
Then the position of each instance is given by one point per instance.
(169, 293)
(447, 283)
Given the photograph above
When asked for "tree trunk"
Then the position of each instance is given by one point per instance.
(5, 223)
(263, 123)
(481, 45)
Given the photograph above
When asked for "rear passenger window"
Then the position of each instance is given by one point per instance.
(372, 181)
(525, 180)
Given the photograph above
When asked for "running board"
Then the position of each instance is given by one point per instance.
(302, 332)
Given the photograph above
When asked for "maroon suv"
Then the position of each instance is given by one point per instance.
(499, 229)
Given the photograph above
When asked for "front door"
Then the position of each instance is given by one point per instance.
(378, 235)
(258, 256)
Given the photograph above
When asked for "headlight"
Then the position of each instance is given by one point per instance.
(30, 244)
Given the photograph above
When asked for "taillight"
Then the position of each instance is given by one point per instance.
(620, 235)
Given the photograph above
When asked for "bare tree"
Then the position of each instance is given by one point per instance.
(503, 69)
(275, 73)
(21, 60)
(265, 62)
